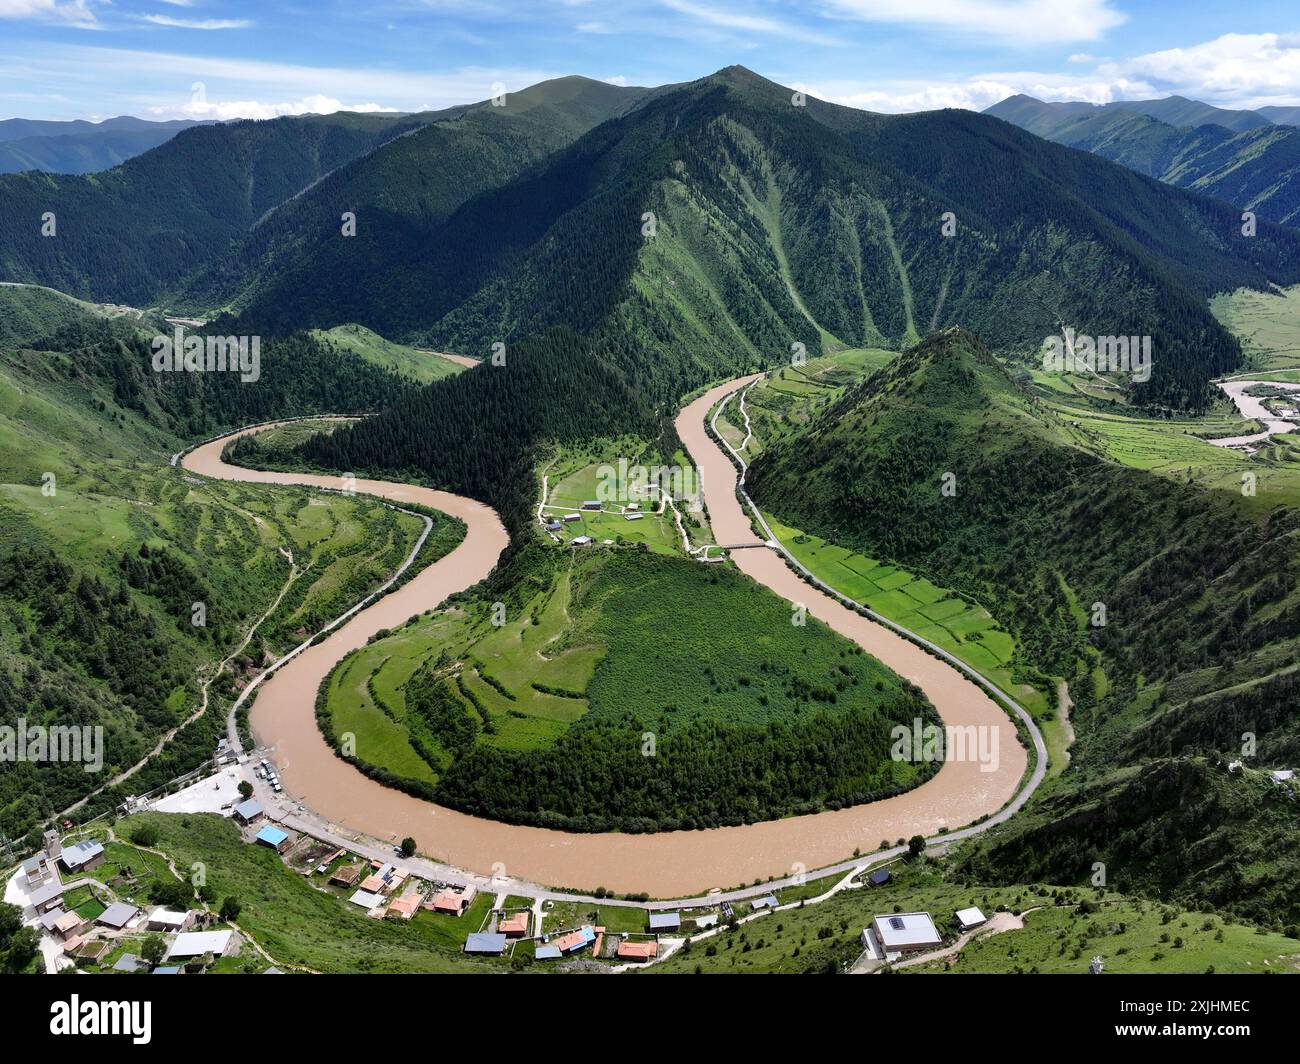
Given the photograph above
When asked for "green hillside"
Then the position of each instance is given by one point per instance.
(105, 548)
(1202, 610)
(421, 366)
(126, 234)
(398, 195)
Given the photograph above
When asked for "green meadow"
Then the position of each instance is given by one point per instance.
(580, 473)
(1065, 927)
(1266, 323)
(964, 629)
(422, 366)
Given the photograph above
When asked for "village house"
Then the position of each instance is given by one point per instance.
(905, 932)
(83, 856)
(638, 951)
(406, 907)
(117, 915)
(346, 875)
(170, 920)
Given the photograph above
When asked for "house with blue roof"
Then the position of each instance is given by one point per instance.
(274, 838)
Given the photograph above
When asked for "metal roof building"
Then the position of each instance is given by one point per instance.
(665, 921)
(272, 837)
(485, 942)
(248, 811)
(906, 931)
(197, 943)
(117, 915)
(79, 856)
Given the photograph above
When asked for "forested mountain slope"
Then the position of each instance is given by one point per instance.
(1201, 607)
(123, 235)
(1253, 165)
(717, 224)
(134, 233)
(398, 194)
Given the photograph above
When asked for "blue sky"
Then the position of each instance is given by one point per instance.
(238, 58)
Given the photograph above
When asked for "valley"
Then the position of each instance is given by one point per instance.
(658, 532)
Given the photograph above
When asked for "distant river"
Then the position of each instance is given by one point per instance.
(1250, 406)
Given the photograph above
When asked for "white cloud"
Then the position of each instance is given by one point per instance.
(746, 23)
(1019, 21)
(226, 110)
(76, 12)
(976, 93)
(1239, 69)
(198, 23)
(160, 83)
(1234, 70)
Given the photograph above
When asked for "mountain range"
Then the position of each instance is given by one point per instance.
(689, 230)
(620, 247)
(1248, 158)
(79, 147)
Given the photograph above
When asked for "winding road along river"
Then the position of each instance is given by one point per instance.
(670, 864)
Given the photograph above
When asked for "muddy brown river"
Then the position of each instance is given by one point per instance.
(670, 864)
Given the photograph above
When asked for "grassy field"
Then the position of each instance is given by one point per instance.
(422, 366)
(299, 924)
(787, 399)
(1131, 937)
(1266, 323)
(964, 629)
(85, 484)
